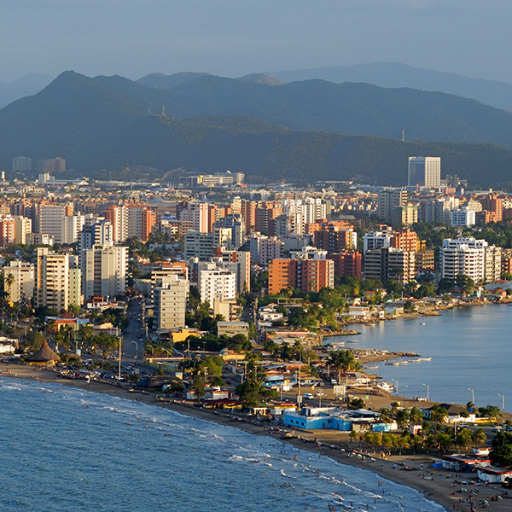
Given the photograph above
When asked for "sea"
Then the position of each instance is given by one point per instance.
(470, 347)
(68, 449)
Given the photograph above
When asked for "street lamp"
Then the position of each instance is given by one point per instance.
(136, 348)
(502, 401)
(472, 395)
(120, 352)
(428, 392)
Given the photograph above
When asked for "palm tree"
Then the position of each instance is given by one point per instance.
(9, 281)
(344, 360)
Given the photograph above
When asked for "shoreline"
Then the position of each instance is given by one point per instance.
(437, 488)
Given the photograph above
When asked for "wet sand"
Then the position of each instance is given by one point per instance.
(436, 485)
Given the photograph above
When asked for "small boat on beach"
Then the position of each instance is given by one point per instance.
(371, 367)
(385, 386)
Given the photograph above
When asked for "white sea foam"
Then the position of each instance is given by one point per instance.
(109, 460)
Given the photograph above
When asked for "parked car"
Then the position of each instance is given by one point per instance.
(308, 396)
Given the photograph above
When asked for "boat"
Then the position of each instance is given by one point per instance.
(423, 323)
(414, 360)
(424, 359)
(371, 367)
(392, 363)
(352, 341)
(385, 386)
(403, 362)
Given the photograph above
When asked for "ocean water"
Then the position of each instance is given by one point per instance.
(66, 449)
(471, 350)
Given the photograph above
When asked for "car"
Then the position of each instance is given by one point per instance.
(308, 396)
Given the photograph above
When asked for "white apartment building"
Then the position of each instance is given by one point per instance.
(170, 297)
(216, 284)
(304, 211)
(104, 271)
(23, 227)
(376, 240)
(424, 171)
(464, 256)
(71, 226)
(52, 279)
(22, 288)
(462, 217)
(264, 249)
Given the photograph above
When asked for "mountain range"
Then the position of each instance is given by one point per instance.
(257, 125)
(25, 86)
(396, 75)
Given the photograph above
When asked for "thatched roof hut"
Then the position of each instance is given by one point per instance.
(45, 355)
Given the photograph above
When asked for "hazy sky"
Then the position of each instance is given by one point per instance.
(235, 37)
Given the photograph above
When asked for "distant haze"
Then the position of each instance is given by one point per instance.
(233, 38)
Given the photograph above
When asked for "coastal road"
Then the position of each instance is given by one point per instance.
(133, 347)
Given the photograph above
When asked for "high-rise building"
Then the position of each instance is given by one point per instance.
(104, 271)
(390, 263)
(118, 218)
(462, 217)
(424, 171)
(52, 279)
(346, 263)
(308, 275)
(75, 296)
(388, 200)
(50, 220)
(170, 295)
(463, 256)
(406, 215)
(216, 284)
(23, 227)
(238, 262)
(22, 286)
(7, 230)
(282, 274)
(22, 163)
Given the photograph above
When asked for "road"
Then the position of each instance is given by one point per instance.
(133, 348)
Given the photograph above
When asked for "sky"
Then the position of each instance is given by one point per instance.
(235, 37)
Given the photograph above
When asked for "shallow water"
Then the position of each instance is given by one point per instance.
(471, 347)
(66, 449)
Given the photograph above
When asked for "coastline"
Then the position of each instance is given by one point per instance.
(437, 487)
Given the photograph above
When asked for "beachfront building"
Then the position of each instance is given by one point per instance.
(332, 418)
(470, 257)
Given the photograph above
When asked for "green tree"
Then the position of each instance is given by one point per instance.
(479, 436)
(343, 360)
(501, 453)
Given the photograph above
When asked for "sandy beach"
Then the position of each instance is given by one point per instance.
(437, 485)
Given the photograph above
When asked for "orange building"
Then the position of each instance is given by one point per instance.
(148, 223)
(407, 240)
(315, 275)
(307, 275)
(347, 263)
(7, 232)
(282, 274)
(493, 205)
